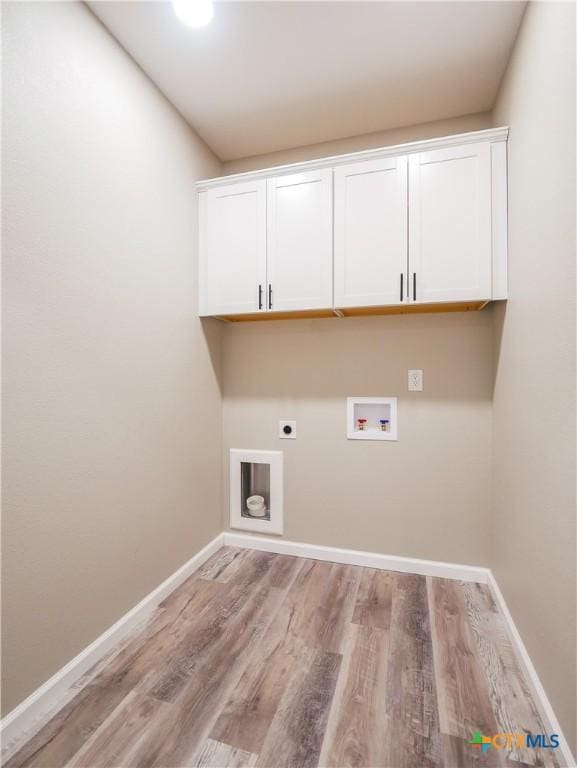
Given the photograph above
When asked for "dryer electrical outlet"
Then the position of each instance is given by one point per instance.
(287, 430)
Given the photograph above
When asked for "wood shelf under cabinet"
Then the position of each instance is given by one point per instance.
(400, 309)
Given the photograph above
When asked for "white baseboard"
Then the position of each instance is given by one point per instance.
(537, 690)
(22, 722)
(357, 557)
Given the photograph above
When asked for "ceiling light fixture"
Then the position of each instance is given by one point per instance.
(193, 13)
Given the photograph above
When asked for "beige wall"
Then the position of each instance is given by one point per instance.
(112, 432)
(533, 546)
(426, 495)
(112, 464)
(392, 136)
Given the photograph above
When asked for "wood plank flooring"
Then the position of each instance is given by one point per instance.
(270, 661)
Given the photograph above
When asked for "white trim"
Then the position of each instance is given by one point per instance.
(490, 134)
(357, 557)
(27, 718)
(499, 289)
(537, 690)
(203, 309)
(274, 459)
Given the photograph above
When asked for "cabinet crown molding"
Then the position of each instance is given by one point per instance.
(490, 134)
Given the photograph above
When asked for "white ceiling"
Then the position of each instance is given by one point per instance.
(265, 76)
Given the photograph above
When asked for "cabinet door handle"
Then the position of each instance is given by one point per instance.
(414, 286)
(401, 286)
(270, 295)
(260, 296)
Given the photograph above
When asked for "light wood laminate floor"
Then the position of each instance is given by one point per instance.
(276, 661)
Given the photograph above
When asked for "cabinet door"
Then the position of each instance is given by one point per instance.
(450, 224)
(371, 233)
(232, 230)
(299, 241)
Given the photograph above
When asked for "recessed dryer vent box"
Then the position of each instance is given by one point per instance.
(372, 418)
(256, 491)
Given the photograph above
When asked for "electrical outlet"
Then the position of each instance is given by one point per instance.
(415, 381)
(287, 430)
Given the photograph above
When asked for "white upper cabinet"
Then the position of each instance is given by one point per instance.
(300, 241)
(371, 233)
(232, 268)
(450, 241)
(415, 225)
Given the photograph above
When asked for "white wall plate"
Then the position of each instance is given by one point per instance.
(415, 380)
